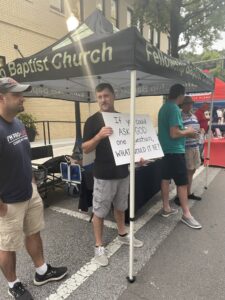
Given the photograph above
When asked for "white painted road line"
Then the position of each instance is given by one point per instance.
(72, 283)
(198, 171)
(155, 209)
(81, 216)
(138, 224)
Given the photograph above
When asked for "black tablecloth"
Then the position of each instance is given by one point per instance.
(147, 184)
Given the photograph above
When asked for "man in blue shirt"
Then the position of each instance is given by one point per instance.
(21, 207)
(172, 138)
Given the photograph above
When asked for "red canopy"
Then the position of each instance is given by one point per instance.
(219, 93)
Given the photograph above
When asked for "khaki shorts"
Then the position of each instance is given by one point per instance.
(192, 157)
(23, 218)
(108, 192)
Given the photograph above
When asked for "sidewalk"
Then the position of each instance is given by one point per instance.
(189, 265)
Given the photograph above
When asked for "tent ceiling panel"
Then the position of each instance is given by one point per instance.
(82, 88)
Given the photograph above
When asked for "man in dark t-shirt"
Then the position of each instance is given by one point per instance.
(21, 207)
(111, 182)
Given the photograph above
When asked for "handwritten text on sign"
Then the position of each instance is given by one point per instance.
(147, 145)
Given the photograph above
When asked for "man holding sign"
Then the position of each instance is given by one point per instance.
(172, 138)
(111, 182)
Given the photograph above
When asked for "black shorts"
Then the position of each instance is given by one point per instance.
(174, 167)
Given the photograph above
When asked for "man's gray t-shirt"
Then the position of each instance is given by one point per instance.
(15, 162)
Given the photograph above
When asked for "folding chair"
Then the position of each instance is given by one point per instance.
(45, 173)
(41, 152)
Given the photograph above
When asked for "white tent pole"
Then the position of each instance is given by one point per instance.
(131, 278)
(209, 141)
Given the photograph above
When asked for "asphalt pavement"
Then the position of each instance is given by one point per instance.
(189, 264)
(176, 262)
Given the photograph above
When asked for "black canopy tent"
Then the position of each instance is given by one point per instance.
(97, 52)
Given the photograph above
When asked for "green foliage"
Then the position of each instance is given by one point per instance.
(184, 20)
(28, 120)
(205, 55)
(153, 13)
(211, 60)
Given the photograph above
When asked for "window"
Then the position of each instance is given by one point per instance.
(129, 17)
(114, 12)
(169, 46)
(155, 38)
(100, 5)
(57, 5)
(151, 35)
(158, 39)
(2, 61)
(140, 26)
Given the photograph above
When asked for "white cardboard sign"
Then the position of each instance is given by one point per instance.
(147, 145)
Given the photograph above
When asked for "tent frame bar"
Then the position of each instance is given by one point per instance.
(133, 76)
(209, 141)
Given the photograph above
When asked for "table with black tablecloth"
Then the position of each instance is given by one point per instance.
(147, 184)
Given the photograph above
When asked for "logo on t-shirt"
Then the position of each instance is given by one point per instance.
(17, 137)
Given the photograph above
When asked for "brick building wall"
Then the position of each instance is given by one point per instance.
(34, 25)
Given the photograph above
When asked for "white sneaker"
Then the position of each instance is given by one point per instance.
(100, 256)
(126, 240)
(191, 222)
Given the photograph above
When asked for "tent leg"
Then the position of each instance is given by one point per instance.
(131, 278)
(206, 178)
(77, 150)
(209, 143)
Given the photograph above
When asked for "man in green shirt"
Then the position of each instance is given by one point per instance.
(172, 138)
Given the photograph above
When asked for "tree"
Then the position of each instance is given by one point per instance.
(184, 20)
(211, 60)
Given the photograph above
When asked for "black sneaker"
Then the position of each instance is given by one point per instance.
(52, 274)
(177, 201)
(19, 292)
(194, 197)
